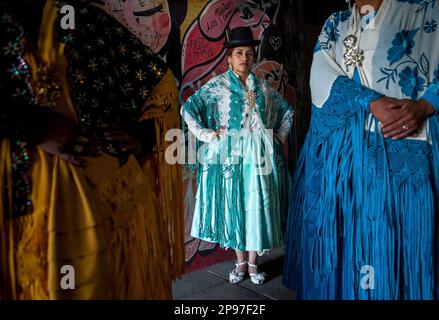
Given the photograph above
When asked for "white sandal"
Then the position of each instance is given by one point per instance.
(237, 276)
(256, 277)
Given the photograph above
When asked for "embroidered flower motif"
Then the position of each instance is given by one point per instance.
(330, 31)
(423, 5)
(410, 82)
(411, 1)
(402, 45)
(430, 26)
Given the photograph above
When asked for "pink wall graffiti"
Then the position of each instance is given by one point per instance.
(150, 20)
(203, 55)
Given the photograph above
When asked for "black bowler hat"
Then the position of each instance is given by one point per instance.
(240, 37)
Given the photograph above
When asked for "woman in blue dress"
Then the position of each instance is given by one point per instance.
(240, 123)
(363, 215)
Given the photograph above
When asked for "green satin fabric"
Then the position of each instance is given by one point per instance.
(239, 202)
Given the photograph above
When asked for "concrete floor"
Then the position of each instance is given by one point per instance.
(213, 283)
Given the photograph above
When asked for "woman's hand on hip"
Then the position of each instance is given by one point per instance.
(126, 142)
(64, 139)
(219, 133)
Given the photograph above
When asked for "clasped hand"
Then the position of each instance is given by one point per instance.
(401, 118)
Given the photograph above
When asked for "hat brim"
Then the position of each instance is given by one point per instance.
(241, 43)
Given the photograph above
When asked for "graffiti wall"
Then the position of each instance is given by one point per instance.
(203, 57)
(190, 34)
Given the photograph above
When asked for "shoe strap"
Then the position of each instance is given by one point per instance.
(240, 263)
(238, 273)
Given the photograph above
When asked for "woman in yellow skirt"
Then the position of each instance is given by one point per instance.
(82, 161)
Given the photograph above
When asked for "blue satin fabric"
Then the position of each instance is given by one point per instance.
(363, 216)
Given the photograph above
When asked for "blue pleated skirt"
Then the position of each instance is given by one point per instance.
(365, 226)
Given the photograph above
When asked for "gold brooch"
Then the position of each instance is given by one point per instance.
(251, 98)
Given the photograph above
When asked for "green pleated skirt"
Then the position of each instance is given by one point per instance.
(241, 200)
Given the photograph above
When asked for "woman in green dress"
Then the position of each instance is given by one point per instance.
(240, 123)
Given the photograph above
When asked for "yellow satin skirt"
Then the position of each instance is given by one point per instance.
(103, 221)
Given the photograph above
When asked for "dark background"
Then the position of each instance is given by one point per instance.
(304, 20)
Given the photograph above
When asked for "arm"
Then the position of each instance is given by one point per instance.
(285, 114)
(191, 112)
(20, 121)
(413, 113)
(432, 94)
(336, 98)
(20, 117)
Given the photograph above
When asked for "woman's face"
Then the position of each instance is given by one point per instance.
(242, 59)
(151, 19)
